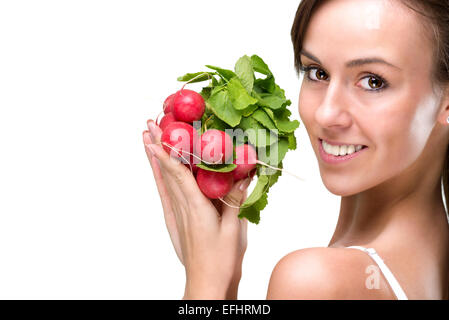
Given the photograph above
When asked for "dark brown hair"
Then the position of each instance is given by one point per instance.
(435, 18)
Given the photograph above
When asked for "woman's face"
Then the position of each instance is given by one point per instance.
(388, 106)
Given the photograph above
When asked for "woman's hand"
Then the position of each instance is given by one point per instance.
(208, 237)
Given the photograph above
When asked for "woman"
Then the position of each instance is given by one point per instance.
(376, 74)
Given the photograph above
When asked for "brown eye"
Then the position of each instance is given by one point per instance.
(374, 83)
(315, 74)
(320, 74)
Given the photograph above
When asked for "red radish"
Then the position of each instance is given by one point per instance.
(188, 106)
(183, 137)
(213, 184)
(216, 146)
(166, 120)
(168, 103)
(245, 159)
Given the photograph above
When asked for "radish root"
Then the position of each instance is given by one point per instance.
(279, 169)
(229, 205)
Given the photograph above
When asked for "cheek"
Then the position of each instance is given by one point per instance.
(403, 130)
(306, 108)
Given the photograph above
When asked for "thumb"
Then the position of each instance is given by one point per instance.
(233, 201)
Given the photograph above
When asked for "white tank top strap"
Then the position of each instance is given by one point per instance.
(394, 284)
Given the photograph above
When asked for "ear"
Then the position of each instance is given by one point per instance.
(443, 116)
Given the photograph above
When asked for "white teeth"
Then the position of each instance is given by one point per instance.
(343, 150)
(340, 150)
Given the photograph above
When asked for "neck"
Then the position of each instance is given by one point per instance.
(403, 225)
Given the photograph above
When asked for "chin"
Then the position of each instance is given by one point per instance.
(342, 187)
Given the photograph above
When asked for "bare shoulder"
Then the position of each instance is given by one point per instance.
(326, 273)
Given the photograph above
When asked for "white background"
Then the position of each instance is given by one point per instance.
(80, 216)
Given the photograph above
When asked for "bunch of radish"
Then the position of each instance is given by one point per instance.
(213, 147)
(237, 126)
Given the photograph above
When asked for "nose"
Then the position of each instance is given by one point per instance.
(333, 112)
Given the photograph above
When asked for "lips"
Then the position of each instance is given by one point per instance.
(331, 159)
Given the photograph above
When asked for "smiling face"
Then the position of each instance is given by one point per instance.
(367, 82)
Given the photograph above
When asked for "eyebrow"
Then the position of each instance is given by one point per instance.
(352, 63)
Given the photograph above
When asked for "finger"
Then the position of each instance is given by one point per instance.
(169, 217)
(178, 200)
(233, 201)
(156, 173)
(156, 134)
(160, 184)
(155, 131)
(179, 177)
(166, 190)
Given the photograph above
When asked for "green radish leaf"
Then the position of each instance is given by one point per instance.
(279, 92)
(217, 89)
(291, 141)
(257, 90)
(217, 168)
(259, 65)
(261, 203)
(282, 113)
(239, 97)
(273, 154)
(222, 107)
(204, 76)
(271, 101)
(266, 84)
(245, 72)
(273, 178)
(215, 123)
(205, 92)
(262, 117)
(275, 100)
(252, 213)
(214, 82)
(283, 123)
(273, 175)
(288, 103)
(226, 74)
(258, 135)
(248, 111)
(260, 188)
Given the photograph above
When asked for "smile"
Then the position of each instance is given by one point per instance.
(339, 153)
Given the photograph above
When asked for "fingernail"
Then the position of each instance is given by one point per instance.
(245, 184)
